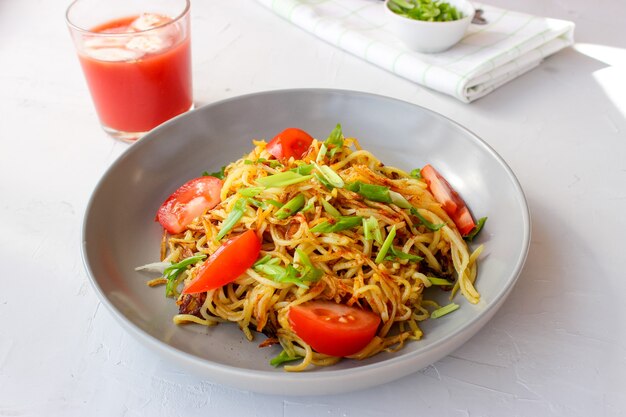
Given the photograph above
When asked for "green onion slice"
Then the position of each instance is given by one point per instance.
(372, 192)
(283, 357)
(330, 209)
(399, 200)
(172, 272)
(386, 245)
(337, 224)
(329, 175)
(440, 281)
(476, 230)
(430, 226)
(291, 207)
(239, 208)
(282, 179)
(444, 310)
(250, 192)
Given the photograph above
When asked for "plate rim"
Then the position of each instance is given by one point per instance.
(256, 380)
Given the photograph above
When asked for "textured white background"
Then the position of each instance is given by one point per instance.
(556, 348)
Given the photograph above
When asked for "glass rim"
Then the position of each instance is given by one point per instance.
(77, 28)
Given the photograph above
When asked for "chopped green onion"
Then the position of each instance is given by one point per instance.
(291, 207)
(262, 261)
(274, 202)
(309, 206)
(416, 173)
(250, 192)
(336, 139)
(426, 10)
(399, 200)
(476, 230)
(239, 208)
(371, 230)
(283, 357)
(403, 3)
(397, 253)
(257, 203)
(322, 153)
(282, 179)
(219, 174)
(337, 224)
(367, 226)
(330, 209)
(330, 175)
(304, 258)
(271, 162)
(372, 192)
(386, 245)
(426, 223)
(304, 169)
(323, 180)
(440, 281)
(444, 310)
(172, 272)
(309, 272)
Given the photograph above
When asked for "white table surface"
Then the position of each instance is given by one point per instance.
(556, 348)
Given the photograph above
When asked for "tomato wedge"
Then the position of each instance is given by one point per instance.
(290, 142)
(333, 329)
(449, 199)
(188, 202)
(227, 263)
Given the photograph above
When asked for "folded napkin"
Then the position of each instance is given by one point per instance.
(489, 55)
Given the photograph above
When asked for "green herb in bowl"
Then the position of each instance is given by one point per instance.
(425, 10)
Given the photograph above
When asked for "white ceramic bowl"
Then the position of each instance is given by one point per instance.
(431, 37)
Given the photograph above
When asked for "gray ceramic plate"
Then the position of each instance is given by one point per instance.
(120, 233)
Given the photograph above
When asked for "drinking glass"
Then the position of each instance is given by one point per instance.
(136, 58)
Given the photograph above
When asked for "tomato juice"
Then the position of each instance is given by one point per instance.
(138, 70)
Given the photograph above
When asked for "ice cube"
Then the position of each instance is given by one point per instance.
(149, 43)
(148, 21)
(113, 54)
(94, 42)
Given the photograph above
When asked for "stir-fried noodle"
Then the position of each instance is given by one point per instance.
(426, 248)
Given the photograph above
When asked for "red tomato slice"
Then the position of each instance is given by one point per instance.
(449, 199)
(188, 202)
(290, 142)
(227, 263)
(333, 329)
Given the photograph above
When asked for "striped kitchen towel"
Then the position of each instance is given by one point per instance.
(489, 55)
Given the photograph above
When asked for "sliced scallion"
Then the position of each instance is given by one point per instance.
(291, 207)
(250, 192)
(282, 179)
(330, 209)
(386, 245)
(476, 230)
(172, 272)
(399, 200)
(337, 224)
(335, 139)
(330, 175)
(397, 253)
(304, 169)
(449, 308)
(283, 357)
(430, 226)
(239, 208)
(322, 153)
(440, 281)
(372, 192)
